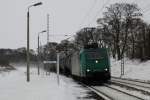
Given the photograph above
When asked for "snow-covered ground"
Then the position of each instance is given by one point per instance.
(134, 69)
(13, 86)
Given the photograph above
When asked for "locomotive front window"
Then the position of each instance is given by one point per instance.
(93, 55)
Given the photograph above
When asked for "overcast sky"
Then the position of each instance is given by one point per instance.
(66, 17)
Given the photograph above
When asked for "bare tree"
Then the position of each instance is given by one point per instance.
(118, 20)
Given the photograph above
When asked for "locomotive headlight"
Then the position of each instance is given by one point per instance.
(87, 70)
(106, 69)
(96, 61)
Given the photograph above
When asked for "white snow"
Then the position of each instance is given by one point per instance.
(134, 69)
(133, 92)
(13, 86)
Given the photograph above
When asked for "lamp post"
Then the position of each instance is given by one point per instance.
(39, 51)
(28, 58)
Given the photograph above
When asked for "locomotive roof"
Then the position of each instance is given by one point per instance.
(91, 49)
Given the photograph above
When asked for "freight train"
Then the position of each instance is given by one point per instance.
(91, 63)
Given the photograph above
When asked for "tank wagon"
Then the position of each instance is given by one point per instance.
(91, 63)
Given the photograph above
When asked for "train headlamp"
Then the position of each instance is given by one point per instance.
(87, 70)
(106, 69)
(96, 61)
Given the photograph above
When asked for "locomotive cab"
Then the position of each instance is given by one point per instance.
(94, 63)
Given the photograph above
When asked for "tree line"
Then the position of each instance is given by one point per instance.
(15, 55)
(125, 32)
(121, 29)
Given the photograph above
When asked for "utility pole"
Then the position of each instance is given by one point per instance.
(38, 55)
(47, 50)
(47, 29)
(58, 68)
(122, 65)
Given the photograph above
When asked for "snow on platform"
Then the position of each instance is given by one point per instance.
(13, 86)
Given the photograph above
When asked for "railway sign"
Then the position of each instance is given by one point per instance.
(50, 62)
(54, 62)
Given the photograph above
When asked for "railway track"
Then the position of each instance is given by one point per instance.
(123, 89)
(141, 86)
(108, 92)
(132, 80)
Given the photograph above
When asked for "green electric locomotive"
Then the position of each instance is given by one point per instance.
(91, 63)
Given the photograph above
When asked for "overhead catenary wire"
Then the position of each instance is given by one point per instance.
(135, 1)
(123, 1)
(99, 11)
(146, 8)
(88, 13)
(104, 5)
